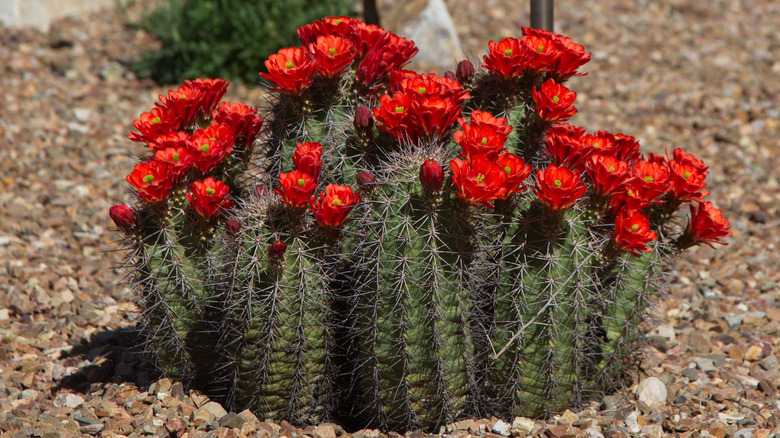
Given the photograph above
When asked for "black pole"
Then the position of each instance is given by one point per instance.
(542, 14)
(370, 12)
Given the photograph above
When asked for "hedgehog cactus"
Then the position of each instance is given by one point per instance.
(401, 250)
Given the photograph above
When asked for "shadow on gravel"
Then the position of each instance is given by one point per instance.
(115, 356)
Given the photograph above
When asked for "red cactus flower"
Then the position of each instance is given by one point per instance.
(308, 158)
(432, 116)
(516, 172)
(151, 180)
(211, 146)
(632, 232)
(428, 85)
(554, 102)
(398, 51)
(176, 139)
(683, 157)
(333, 206)
(478, 180)
(209, 197)
(607, 174)
(431, 176)
(333, 54)
(507, 58)
(707, 225)
(558, 187)
(483, 119)
(123, 216)
(186, 102)
(152, 124)
(371, 70)
(564, 146)
(572, 56)
(465, 71)
(368, 37)
(338, 26)
(652, 178)
(213, 90)
(291, 69)
(631, 198)
(296, 188)
(479, 141)
(392, 115)
(276, 250)
(687, 182)
(242, 118)
(597, 144)
(544, 51)
(179, 161)
(624, 147)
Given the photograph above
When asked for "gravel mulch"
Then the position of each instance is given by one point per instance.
(697, 75)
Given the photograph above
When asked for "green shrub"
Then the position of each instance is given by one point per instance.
(225, 38)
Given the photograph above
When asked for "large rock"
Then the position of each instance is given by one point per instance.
(40, 13)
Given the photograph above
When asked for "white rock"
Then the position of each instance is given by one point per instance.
(523, 424)
(434, 34)
(73, 401)
(632, 423)
(651, 391)
(501, 428)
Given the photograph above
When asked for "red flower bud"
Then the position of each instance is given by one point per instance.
(232, 226)
(123, 216)
(465, 71)
(363, 122)
(450, 75)
(431, 176)
(365, 180)
(276, 250)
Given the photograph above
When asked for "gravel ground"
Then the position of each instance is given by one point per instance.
(698, 75)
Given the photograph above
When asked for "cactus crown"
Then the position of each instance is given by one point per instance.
(368, 250)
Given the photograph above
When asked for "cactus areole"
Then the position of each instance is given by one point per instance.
(395, 250)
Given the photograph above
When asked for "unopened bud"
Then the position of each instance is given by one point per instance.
(123, 216)
(364, 121)
(465, 71)
(365, 180)
(449, 74)
(431, 176)
(277, 249)
(232, 226)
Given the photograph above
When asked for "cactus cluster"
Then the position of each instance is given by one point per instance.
(321, 263)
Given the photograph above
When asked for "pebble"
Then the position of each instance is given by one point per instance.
(501, 428)
(73, 401)
(705, 364)
(523, 424)
(651, 391)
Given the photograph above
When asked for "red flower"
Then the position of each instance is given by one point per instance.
(152, 180)
(571, 55)
(398, 51)
(428, 85)
(478, 180)
(483, 119)
(624, 147)
(597, 144)
(176, 139)
(333, 54)
(554, 102)
(213, 90)
(179, 160)
(683, 157)
(371, 70)
(564, 145)
(392, 115)
(211, 146)
(291, 69)
(543, 50)
(123, 216)
(242, 118)
(152, 124)
(186, 102)
(338, 26)
(507, 58)
(333, 207)
(632, 198)
(432, 116)
(431, 176)
(479, 141)
(368, 37)
(296, 188)
(651, 178)
(308, 158)
(632, 232)
(209, 197)
(558, 187)
(607, 174)
(707, 226)
(687, 182)
(516, 172)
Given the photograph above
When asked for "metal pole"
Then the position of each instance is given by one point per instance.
(542, 14)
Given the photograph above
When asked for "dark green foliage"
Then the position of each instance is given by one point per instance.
(225, 38)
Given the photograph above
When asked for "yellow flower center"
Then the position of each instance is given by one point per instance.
(148, 178)
(556, 99)
(480, 178)
(175, 157)
(156, 120)
(540, 49)
(339, 21)
(508, 52)
(508, 170)
(686, 175)
(337, 201)
(648, 179)
(484, 141)
(332, 51)
(205, 148)
(634, 228)
(210, 191)
(399, 109)
(301, 182)
(421, 90)
(557, 183)
(596, 145)
(611, 168)
(289, 64)
(631, 193)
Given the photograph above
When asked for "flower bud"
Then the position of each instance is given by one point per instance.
(363, 122)
(449, 74)
(431, 176)
(123, 216)
(365, 180)
(465, 71)
(277, 249)
(232, 226)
